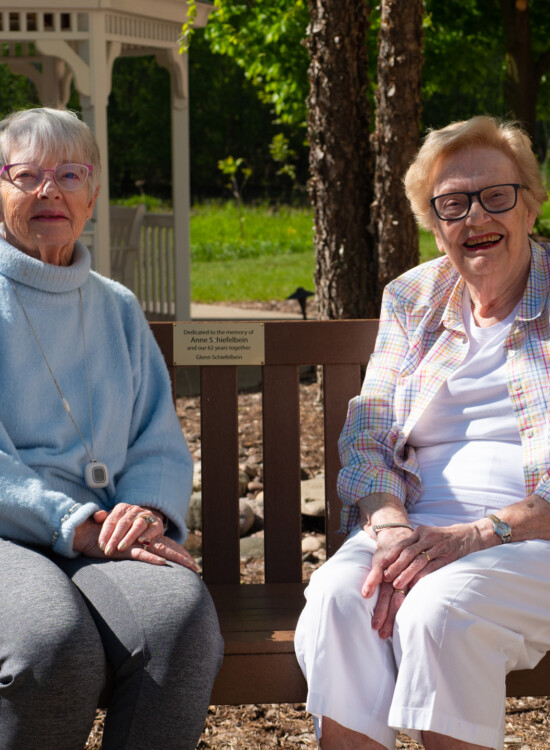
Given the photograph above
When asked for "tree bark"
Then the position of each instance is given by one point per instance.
(340, 159)
(522, 77)
(397, 134)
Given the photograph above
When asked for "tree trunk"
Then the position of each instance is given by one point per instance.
(397, 134)
(340, 159)
(522, 78)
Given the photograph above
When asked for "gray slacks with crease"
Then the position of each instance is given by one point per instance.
(62, 621)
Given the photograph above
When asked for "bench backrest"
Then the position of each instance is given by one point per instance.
(342, 348)
(125, 228)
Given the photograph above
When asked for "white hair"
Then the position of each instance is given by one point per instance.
(44, 131)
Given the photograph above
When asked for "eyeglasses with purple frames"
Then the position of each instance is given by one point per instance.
(27, 177)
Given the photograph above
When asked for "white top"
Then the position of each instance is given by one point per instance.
(467, 441)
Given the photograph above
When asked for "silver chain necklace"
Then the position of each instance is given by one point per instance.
(95, 473)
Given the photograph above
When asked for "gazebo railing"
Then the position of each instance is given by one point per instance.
(155, 266)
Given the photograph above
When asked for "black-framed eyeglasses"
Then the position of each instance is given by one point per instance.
(27, 177)
(495, 199)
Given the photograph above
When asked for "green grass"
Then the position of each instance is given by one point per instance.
(273, 256)
(428, 248)
(219, 232)
(265, 258)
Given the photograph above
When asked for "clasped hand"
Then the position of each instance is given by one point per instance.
(404, 557)
(130, 532)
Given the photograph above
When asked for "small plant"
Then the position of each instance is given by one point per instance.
(231, 168)
(280, 151)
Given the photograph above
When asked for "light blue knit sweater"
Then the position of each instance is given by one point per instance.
(43, 496)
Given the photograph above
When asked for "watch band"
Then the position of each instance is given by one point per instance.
(381, 526)
(502, 529)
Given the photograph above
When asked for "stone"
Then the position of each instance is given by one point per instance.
(197, 477)
(252, 546)
(246, 516)
(313, 496)
(243, 483)
(193, 544)
(257, 505)
(194, 514)
(311, 544)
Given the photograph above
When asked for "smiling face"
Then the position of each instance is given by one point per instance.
(486, 249)
(46, 222)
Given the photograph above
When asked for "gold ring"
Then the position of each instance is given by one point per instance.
(425, 553)
(148, 518)
(401, 591)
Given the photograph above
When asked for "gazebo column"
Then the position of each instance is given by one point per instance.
(181, 192)
(99, 56)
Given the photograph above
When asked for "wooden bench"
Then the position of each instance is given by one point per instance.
(258, 620)
(125, 229)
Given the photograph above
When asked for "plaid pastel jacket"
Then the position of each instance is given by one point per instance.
(421, 341)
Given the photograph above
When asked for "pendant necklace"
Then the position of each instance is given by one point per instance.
(95, 473)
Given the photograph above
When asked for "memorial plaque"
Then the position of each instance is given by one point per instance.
(219, 343)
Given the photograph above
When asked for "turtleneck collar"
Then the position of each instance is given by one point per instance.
(48, 278)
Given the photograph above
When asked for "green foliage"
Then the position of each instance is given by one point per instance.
(465, 59)
(188, 27)
(226, 117)
(16, 92)
(231, 167)
(280, 151)
(139, 128)
(265, 40)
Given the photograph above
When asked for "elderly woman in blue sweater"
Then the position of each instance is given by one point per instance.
(95, 478)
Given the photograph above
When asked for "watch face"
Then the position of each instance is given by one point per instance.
(503, 529)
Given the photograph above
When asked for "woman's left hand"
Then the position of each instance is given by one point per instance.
(127, 524)
(428, 549)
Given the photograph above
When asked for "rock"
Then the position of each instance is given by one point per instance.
(252, 546)
(257, 505)
(197, 477)
(313, 496)
(255, 486)
(250, 469)
(243, 483)
(193, 544)
(246, 516)
(194, 514)
(311, 544)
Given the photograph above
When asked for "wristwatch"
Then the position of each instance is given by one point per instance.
(502, 529)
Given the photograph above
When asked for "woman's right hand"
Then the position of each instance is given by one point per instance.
(390, 598)
(159, 551)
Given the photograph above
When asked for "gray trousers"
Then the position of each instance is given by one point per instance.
(65, 623)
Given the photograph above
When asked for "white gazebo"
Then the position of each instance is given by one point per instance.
(56, 42)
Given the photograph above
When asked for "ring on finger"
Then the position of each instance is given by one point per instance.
(401, 591)
(425, 553)
(148, 518)
(145, 543)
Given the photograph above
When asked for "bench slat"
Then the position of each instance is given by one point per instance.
(281, 435)
(340, 383)
(220, 474)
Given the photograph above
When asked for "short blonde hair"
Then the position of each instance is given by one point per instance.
(44, 131)
(484, 131)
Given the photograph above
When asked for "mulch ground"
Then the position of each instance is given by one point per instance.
(259, 727)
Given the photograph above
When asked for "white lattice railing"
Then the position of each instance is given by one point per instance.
(155, 266)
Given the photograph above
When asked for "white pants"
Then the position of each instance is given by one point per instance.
(460, 630)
